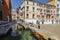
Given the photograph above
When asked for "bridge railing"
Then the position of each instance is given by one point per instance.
(5, 26)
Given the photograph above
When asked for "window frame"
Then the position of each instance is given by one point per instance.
(27, 15)
(33, 9)
(27, 8)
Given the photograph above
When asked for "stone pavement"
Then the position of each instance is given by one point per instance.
(53, 28)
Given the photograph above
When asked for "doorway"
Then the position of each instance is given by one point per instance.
(1, 15)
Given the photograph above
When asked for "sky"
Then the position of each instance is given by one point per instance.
(17, 3)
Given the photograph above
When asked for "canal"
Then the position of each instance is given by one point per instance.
(27, 35)
(22, 35)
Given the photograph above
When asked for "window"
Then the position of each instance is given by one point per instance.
(40, 10)
(57, 9)
(27, 2)
(33, 9)
(44, 13)
(48, 11)
(0, 15)
(37, 8)
(57, 5)
(38, 16)
(1, 2)
(54, 11)
(27, 15)
(48, 7)
(21, 14)
(51, 11)
(41, 13)
(33, 3)
(33, 16)
(22, 8)
(44, 10)
(27, 8)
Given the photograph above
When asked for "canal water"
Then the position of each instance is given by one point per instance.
(27, 35)
(24, 35)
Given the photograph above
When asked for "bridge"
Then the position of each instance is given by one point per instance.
(33, 27)
(5, 26)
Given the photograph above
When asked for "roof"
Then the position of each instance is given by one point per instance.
(42, 3)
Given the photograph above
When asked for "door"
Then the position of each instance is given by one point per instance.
(0, 15)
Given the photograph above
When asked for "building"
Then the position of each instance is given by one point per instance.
(18, 13)
(47, 13)
(34, 12)
(14, 14)
(5, 10)
(57, 4)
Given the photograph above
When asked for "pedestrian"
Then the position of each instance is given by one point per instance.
(39, 26)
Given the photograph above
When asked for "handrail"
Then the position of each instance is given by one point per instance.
(6, 24)
(5, 27)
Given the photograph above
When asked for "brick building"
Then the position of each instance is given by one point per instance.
(5, 10)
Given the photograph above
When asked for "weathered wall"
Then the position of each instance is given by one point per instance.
(6, 9)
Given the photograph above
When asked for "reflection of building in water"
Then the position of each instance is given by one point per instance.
(5, 10)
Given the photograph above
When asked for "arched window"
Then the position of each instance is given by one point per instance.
(33, 16)
(27, 15)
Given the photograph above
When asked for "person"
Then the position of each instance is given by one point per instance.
(38, 22)
(39, 26)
